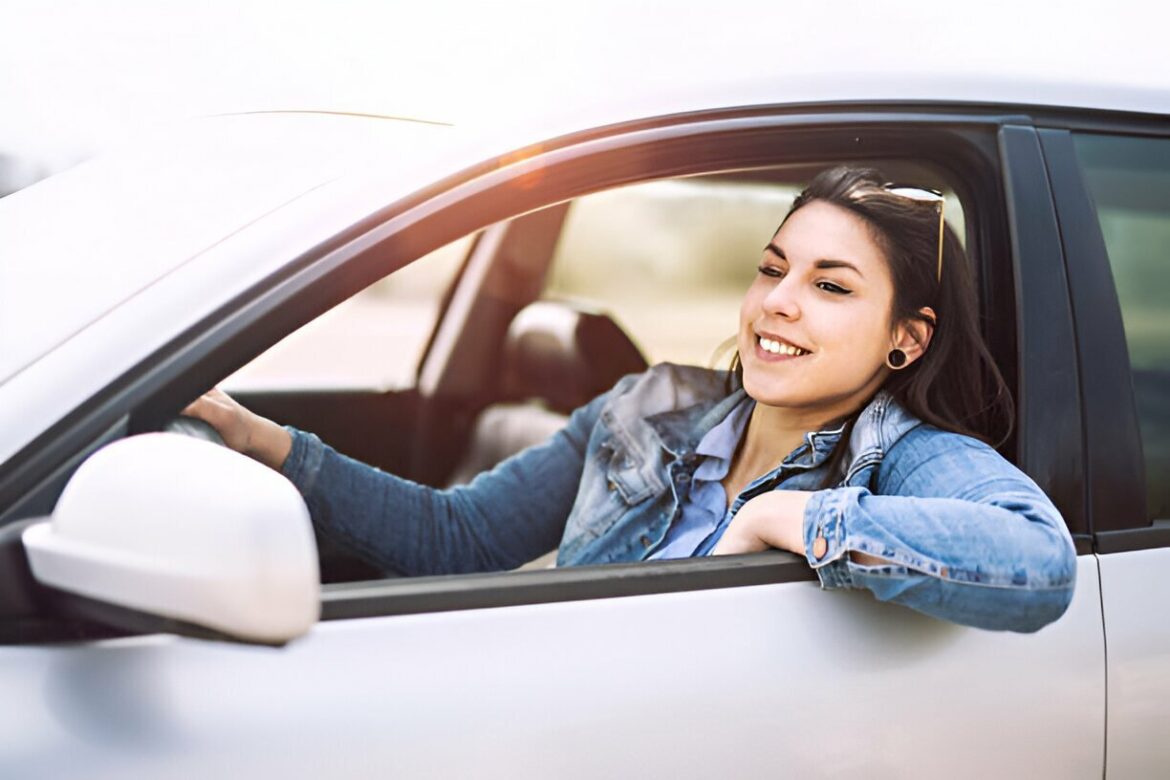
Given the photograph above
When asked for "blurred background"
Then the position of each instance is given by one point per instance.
(79, 76)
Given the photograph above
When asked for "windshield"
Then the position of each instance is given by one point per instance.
(78, 244)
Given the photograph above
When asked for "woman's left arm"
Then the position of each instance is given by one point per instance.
(952, 530)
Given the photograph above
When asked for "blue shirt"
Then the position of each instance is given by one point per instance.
(707, 506)
(705, 510)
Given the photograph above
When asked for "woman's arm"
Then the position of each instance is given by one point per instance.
(952, 530)
(502, 519)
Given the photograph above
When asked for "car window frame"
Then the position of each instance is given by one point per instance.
(965, 143)
(1048, 402)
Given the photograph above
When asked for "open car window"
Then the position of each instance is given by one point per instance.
(667, 262)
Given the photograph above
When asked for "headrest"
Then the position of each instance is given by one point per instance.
(564, 355)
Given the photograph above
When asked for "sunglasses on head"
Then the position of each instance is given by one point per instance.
(926, 196)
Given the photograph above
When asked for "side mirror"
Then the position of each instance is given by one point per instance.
(169, 526)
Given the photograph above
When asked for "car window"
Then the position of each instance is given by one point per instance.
(372, 341)
(1129, 180)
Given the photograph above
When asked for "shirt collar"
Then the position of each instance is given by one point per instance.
(680, 430)
(714, 427)
(717, 447)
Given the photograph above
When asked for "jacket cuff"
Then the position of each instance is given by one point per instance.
(825, 535)
(303, 463)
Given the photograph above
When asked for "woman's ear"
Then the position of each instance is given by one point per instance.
(913, 335)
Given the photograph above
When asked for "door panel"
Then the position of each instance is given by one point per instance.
(761, 681)
(1134, 595)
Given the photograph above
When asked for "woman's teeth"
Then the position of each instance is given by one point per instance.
(780, 348)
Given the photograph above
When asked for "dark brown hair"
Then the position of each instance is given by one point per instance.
(954, 385)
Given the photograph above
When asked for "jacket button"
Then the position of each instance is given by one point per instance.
(610, 485)
(645, 540)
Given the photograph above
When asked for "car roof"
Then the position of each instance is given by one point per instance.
(881, 83)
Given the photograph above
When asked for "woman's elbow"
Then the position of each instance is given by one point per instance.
(1031, 605)
(1052, 598)
(1024, 602)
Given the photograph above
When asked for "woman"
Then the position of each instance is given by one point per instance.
(851, 431)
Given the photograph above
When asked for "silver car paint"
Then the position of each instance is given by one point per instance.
(778, 680)
(1135, 592)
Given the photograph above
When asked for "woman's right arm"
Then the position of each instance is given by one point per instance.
(502, 519)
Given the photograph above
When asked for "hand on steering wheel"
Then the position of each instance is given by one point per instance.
(195, 428)
(241, 429)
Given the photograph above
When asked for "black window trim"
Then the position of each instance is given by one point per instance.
(961, 144)
(1049, 403)
(379, 598)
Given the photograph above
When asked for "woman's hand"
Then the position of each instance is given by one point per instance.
(241, 429)
(774, 519)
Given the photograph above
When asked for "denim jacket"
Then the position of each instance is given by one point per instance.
(969, 538)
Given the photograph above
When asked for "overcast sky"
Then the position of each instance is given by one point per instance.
(78, 76)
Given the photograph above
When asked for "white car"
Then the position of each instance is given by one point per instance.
(133, 283)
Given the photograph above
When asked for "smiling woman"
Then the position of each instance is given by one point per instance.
(849, 432)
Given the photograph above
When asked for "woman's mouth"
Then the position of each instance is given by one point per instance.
(768, 348)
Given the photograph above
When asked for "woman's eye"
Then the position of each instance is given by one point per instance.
(830, 287)
(770, 270)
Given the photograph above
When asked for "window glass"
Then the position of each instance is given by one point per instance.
(373, 340)
(1129, 179)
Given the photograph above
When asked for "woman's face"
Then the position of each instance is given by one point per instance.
(824, 292)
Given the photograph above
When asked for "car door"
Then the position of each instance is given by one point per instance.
(738, 666)
(1113, 186)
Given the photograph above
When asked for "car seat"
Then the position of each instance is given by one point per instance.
(556, 357)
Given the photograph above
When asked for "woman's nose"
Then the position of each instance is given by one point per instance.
(782, 301)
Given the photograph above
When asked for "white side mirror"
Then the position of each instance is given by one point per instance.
(174, 527)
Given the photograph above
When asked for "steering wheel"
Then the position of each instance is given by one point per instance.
(195, 428)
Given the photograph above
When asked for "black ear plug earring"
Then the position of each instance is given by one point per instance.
(896, 359)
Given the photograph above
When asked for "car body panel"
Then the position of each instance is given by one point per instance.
(1134, 590)
(741, 682)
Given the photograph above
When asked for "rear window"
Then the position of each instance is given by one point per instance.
(1129, 180)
